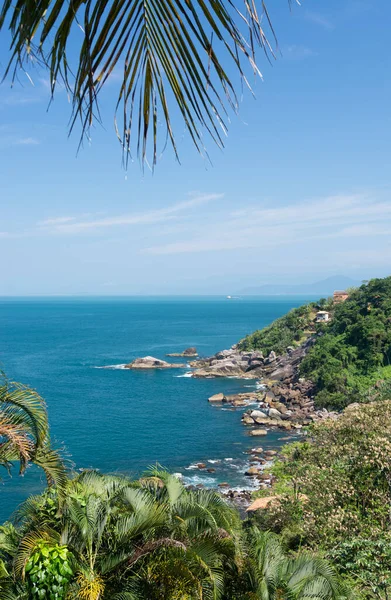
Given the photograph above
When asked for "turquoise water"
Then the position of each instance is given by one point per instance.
(121, 420)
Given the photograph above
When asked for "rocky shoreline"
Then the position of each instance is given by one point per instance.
(282, 401)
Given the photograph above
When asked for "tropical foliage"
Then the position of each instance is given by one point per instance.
(277, 575)
(353, 353)
(149, 539)
(337, 493)
(24, 432)
(286, 331)
(160, 53)
(350, 359)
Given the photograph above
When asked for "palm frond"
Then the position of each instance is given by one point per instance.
(51, 462)
(27, 546)
(16, 444)
(166, 52)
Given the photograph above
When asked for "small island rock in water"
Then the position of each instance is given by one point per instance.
(150, 362)
(189, 353)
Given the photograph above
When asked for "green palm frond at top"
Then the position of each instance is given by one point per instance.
(162, 53)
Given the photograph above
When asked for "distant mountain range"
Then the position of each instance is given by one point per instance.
(326, 287)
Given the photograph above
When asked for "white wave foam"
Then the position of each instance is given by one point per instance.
(112, 367)
(228, 459)
(192, 467)
(196, 479)
(184, 375)
(213, 462)
(260, 386)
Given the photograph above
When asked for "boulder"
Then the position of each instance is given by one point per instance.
(282, 373)
(247, 420)
(258, 414)
(201, 466)
(263, 421)
(238, 403)
(258, 450)
(223, 354)
(252, 472)
(192, 351)
(258, 432)
(217, 398)
(272, 357)
(150, 362)
(274, 413)
(269, 397)
(270, 452)
(281, 408)
(254, 364)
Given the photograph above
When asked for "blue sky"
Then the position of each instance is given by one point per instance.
(300, 192)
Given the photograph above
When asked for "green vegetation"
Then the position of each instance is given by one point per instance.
(94, 537)
(24, 432)
(353, 353)
(336, 496)
(350, 360)
(149, 539)
(286, 331)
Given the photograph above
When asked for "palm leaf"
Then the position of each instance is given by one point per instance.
(25, 404)
(168, 52)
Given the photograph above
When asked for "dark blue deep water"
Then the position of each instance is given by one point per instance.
(121, 420)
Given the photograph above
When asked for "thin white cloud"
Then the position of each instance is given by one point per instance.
(298, 52)
(146, 218)
(319, 19)
(341, 216)
(55, 221)
(27, 141)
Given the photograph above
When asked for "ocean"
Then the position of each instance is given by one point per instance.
(124, 421)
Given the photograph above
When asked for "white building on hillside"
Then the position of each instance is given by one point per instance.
(322, 316)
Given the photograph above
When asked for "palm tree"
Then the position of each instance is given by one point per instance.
(161, 53)
(302, 577)
(24, 432)
(146, 539)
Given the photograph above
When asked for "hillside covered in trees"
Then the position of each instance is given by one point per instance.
(350, 358)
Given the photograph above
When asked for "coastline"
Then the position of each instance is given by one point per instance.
(154, 417)
(279, 403)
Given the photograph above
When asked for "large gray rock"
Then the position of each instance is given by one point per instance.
(225, 369)
(274, 413)
(258, 414)
(217, 398)
(263, 421)
(247, 420)
(223, 354)
(283, 372)
(256, 364)
(150, 362)
(272, 357)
